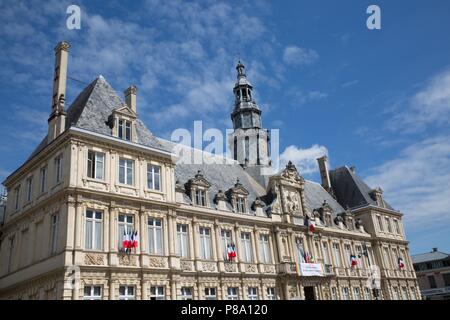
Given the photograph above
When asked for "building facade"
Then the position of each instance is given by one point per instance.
(103, 209)
(433, 274)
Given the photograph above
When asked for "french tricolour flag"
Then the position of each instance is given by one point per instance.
(353, 260)
(125, 240)
(311, 225)
(401, 264)
(136, 240)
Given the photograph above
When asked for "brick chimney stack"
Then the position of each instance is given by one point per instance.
(130, 97)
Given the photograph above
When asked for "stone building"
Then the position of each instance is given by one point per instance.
(101, 176)
(433, 274)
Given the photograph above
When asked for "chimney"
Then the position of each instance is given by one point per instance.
(130, 97)
(324, 174)
(435, 249)
(57, 119)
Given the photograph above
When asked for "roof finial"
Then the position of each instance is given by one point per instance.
(240, 69)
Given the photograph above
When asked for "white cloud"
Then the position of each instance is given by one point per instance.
(300, 97)
(304, 159)
(429, 106)
(297, 56)
(418, 182)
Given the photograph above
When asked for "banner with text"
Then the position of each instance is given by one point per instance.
(311, 269)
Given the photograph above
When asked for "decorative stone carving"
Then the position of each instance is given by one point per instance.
(291, 174)
(187, 265)
(220, 196)
(292, 291)
(209, 266)
(291, 202)
(127, 260)
(250, 268)
(230, 267)
(93, 259)
(157, 262)
(269, 269)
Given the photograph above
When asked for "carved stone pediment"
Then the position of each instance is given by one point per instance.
(125, 110)
(238, 189)
(199, 180)
(291, 175)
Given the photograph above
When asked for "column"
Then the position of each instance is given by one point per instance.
(214, 241)
(237, 236)
(106, 233)
(272, 253)
(112, 224)
(255, 245)
(279, 244)
(173, 289)
(171, 236)
(218, 242)
(291, 241)
(195, 236)
(142, 227)
(78, 225)
(144, 290)
(112, 288)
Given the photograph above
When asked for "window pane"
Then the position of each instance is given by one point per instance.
(98, 235)
(99, 166)
(88, 239)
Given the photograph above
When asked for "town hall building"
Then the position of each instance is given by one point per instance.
(103, 210)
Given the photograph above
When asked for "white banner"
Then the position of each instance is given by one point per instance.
(311, 269)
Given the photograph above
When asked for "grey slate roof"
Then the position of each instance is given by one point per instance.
(91, 110)
(315, 195)
(350, 190)
(429, 256)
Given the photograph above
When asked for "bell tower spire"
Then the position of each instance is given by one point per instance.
(249, 142)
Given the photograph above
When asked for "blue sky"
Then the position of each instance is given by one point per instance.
(376, 99)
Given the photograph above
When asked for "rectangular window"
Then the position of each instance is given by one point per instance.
(395, 295)
(200, 197)
(43, 182)
(157, 293)
(92, 293)
(154, 177)
(397, 226)
(240, 205)
(186, 293)
(432, 282)
(155, 236)
(356, 294)
(446, 277)
(182, 240)
(345, 293)
(334, 293)
(96, 165)
(413, 293)
(347, 251)
(252, 293)
(94, 230)
(54, 233)
(124, 131)
(386, 258)
(126, 229)
(126, 168)
(264, 249)
(226, 240)
(337, 255)
(247, 253)
(300, 250)
(326, 254)
(205, 243)
(210, 294)
(360, 256)
(126, 293)
(232, 293)
(367, 294)
(380, 223)
(388, 224)
(404, 293)
(29, 189)
(17, 198)
(271, 293)
(58, 169)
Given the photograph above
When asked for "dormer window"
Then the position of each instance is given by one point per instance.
(238, 197)
(198, 187)
(240, 205)
(200, 198)
(124, 130)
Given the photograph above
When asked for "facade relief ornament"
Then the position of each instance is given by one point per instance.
(93, 259)
(208, 266)
(250, 268)
(291, 174)
(230, 267)
(187, 265)
(127, 260)
(157, 262)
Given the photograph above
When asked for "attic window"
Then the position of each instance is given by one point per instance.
(240, 205)
(124, 130)
(200, 197)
